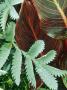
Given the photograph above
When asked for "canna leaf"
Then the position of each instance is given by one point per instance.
(47, 8)
(53, 17)
(28, 29)
(28, 26)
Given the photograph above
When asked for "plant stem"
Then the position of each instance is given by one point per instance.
(61, 12)
(40, 86)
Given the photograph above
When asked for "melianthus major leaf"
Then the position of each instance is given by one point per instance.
(30, 72)
(14, 2)
(16, 66)
(7, 9)
(43, 72)
(13, 13)
(54, 71)
(47, 78)
(10, 32)
(36, 48)
(48, 57)
(4, 53)
(2, 6)
(4, 16)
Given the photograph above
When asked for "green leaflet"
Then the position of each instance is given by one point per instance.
(47, 78)
(7, 9)
(14, 2)
(2, 6)
(54, 71)
(16, 66)
(48, 57)
(4, 53)
(33, 52)
(36, 49)
(10, 32)
(13, 13)
(30, 72)
(4, 16)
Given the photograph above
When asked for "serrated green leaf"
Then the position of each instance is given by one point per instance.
(13, 13)
(10, 32)
(2, 6)
(16, 66)
(47, 78)
(14, 2)
(7, 9)
(2, 72)
(48, 57)
(4, 53)
(30, 72)
(36, 48)
(54, 71)
(4, 16)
